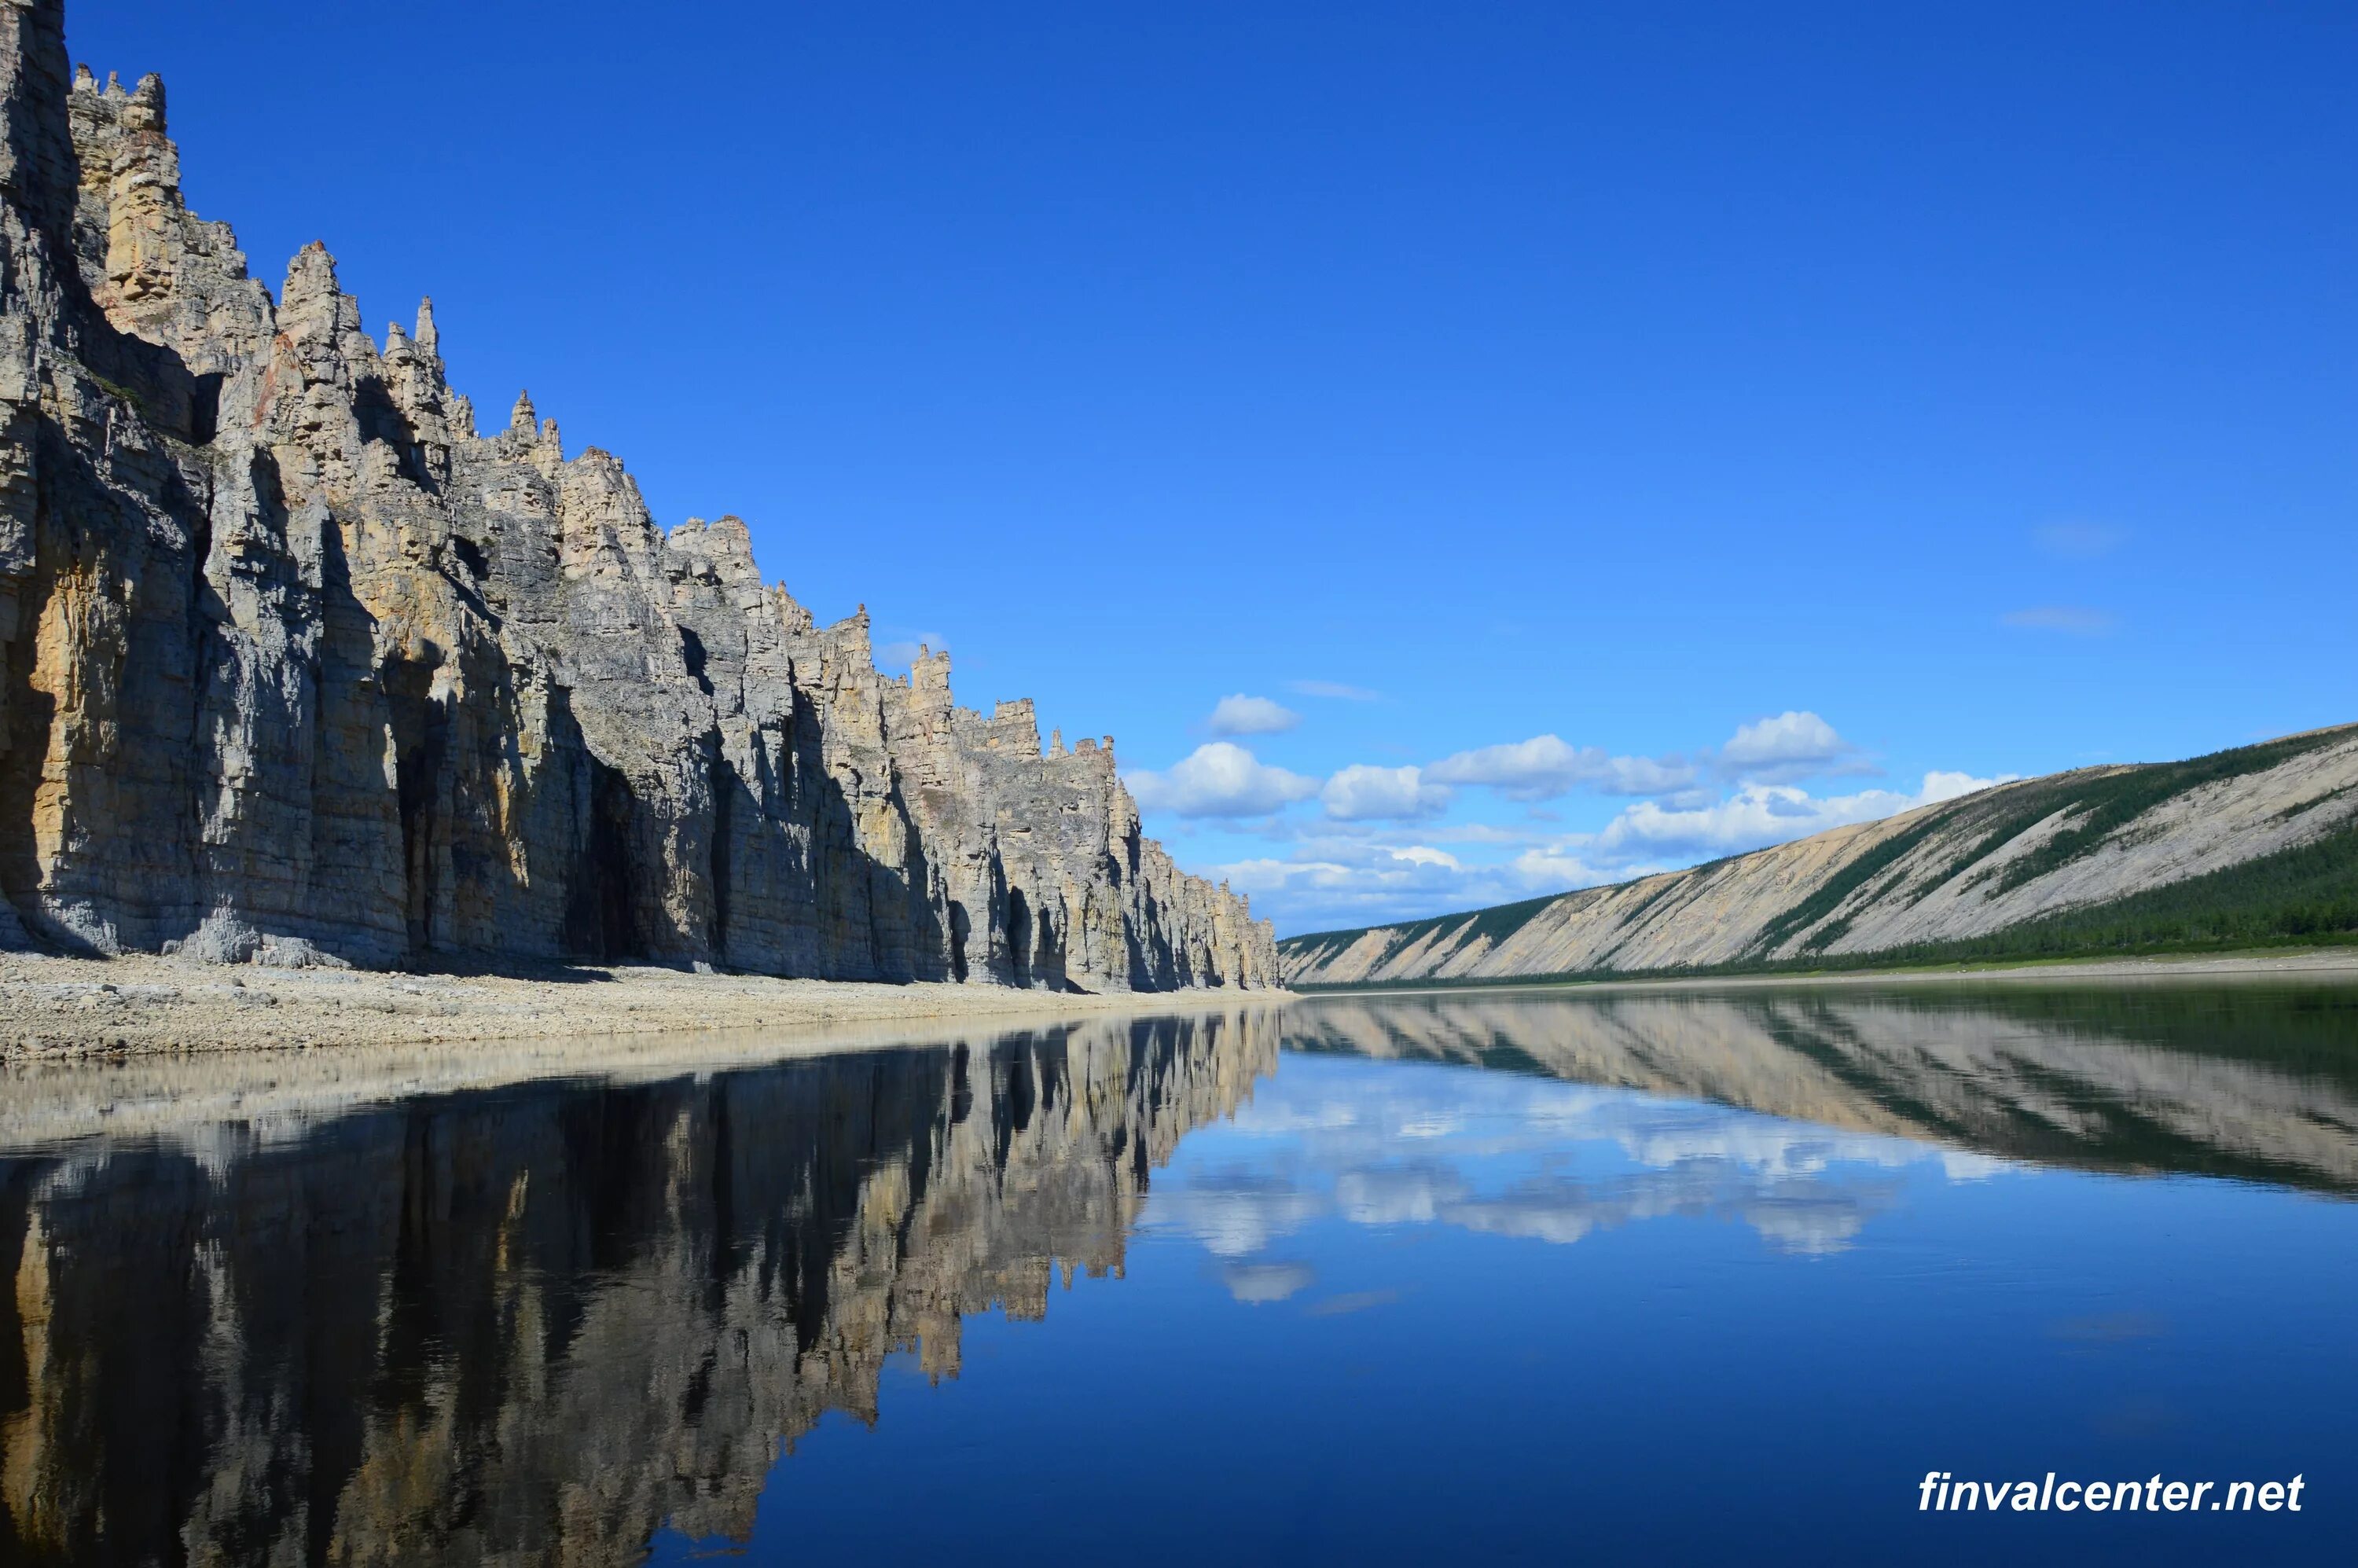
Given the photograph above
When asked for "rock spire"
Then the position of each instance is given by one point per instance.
(296, 662)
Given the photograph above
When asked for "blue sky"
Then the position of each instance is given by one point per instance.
(1664, 427)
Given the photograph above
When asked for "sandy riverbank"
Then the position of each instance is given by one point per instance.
(72, 1008)
(53, 1009)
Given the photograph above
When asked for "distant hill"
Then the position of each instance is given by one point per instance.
(2256, 845)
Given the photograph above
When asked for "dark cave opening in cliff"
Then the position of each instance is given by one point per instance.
(960, 928)
(1019, 936)
(601, 918)
(420, 728)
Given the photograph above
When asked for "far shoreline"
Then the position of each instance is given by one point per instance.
(2335, 962)
(65, 1010)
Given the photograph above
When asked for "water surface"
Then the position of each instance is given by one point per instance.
(1535, 1276)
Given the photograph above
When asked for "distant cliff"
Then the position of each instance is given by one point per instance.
(296, 664)
(2255, 844)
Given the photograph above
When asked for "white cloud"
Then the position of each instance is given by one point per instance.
(1941, 786)
(2076, 620)
(1545, 766)
(1397, 1195)
(1257, 1284)
(902, 652)
(1220, 779)
(1759, 815)
(1343, 874)
(1362, 792)
(1429, 1151)
(1793, 745)
(1242, 715)
(1476, 833)
(1332, 690)
(1233, 1215)
(1342, 865)
(1343, 882)
(1557, 869)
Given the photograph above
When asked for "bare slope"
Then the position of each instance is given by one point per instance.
(2257, 843)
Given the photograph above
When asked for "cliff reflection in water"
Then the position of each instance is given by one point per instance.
(533, 1324)
(2256, 1081)
(338, 1309)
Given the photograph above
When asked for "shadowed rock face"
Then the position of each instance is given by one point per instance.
(530, 1325)
(297, 663)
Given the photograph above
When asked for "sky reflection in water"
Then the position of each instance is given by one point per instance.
(1672, 1278)
(1401, 1310)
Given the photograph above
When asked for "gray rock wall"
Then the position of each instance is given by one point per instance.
(295, 658)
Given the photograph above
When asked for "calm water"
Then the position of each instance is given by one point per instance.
(1670, 1279)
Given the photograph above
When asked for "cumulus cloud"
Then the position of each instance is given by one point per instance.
(1343, 874)
(1793, 745)
(1242, 715)
(1379, 849)
(1334, 690)
(1220, 779)
(1759, 815)
(1362, 792)
(1545, 766)
(1939, 785)
(1559, 869)
(1341, 882)
(2073, 619)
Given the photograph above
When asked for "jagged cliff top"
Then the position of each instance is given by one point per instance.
(304, 664)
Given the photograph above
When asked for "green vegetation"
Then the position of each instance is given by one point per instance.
(118, 390)
(2294, 1026)
(1498, 923)
(1844, 882)
(2112, 801)
(1632, 917)
(2297, 894)
(2102, 802)
(2301, 897)
(2305, 895)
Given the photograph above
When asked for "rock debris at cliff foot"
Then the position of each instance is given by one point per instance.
(300, 666)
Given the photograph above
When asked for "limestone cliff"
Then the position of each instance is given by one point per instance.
(298, 663)
(2252, 844)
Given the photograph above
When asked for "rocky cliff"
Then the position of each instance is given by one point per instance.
(298, 664)
(2253, 844)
